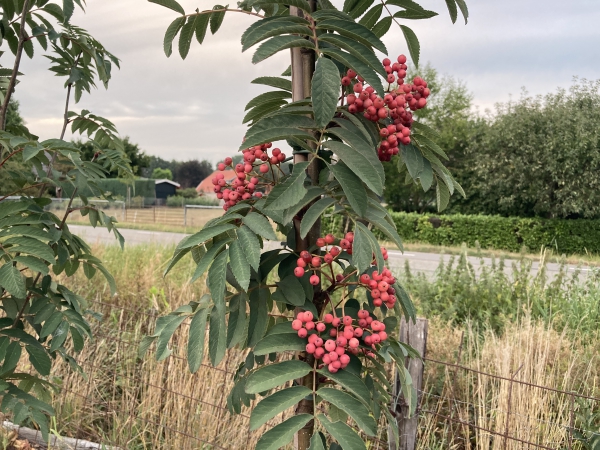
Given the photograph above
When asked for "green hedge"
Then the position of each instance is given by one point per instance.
(493, 232)
(118, 188)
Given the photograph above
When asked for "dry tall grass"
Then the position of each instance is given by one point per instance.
(531, 353)
(144, 404)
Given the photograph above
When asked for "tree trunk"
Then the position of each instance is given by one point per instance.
(303, 67)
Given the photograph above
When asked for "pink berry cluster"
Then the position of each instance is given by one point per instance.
(243, 186)
(308, 261)
(396, 104)
(381, 287)
(331, 339)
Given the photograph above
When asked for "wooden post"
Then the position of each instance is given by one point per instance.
(414, 335)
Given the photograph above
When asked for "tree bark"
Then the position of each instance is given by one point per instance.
(303, 67)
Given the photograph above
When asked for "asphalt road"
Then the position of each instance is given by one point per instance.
(419, 262)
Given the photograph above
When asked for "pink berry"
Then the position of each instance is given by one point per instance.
(310, 348)
(328, 318)
(330, 345)
(353, 343)
(302, 333)
(296, 324)
(321, 327)
(299, 272)
(315, 280)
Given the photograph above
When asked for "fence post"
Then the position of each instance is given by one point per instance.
(184, 215)
(414, 335)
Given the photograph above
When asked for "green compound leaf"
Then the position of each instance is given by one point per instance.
(207, 259)
(302, 4)
(362, 250)
(326, 86)
(292, 290)
(250, 246)
(260, 225)
(186, 35)
(382, 27)
(284, 26)
(170, 34)
(217, 334)
(216, 18)
(291, 191)
(283, 433)
(362, 160)
(351, 383)
(277, 44)
(451, 4)
(371, 17)
(352, 407)
(204, 235)
(13, 281)
(273, 375)
(239, 265)
(318, 442)
(356, 49)
(354, 31)
(413, 43)
(352, 187)
(313, 213)
(342, 433)
(268, 97)
(201, 27)
(275, 82)
(171, 4)
(274, 134)
(197, 334)
(275, 404)
(358, 65)
(279, 343)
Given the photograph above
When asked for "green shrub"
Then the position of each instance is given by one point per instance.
(177, 201)
(493, 296)
(492, 232)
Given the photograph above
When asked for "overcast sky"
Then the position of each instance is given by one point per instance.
(194, 108)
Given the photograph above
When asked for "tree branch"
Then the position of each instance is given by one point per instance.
(10, 155)
(210, 11)
(13, 77)
(64, 129)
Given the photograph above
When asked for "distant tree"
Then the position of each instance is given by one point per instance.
(162, 174)
(13, 120)
(157, 161)
(139, 159)
(540, 156)
(449, 112)
(13, 115)
(191, 173)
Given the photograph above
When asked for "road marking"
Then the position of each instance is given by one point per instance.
(393, 252)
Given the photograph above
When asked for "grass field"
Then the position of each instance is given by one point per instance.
(549, 328)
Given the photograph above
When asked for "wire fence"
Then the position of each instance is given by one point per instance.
(472, 409)
(127, 402)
